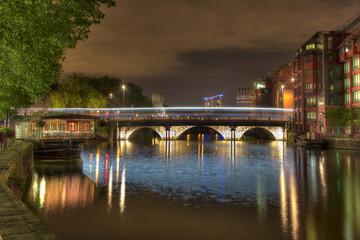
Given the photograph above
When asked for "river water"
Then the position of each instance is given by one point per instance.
(200, 190)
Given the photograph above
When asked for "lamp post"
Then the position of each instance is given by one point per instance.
(123, 95)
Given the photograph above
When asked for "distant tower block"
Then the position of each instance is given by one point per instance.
(245, 97)
(158, 99)
(215, 101)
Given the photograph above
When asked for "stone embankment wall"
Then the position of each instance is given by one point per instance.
(17, 221)
(343, 143)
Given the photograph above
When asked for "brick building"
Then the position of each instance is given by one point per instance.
(326, 73)
(349, 51)
(317, 75)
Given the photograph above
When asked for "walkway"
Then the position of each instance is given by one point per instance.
(17, 221)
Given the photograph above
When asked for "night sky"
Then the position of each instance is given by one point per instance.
(190, 49)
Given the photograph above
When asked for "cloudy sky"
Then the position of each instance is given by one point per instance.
(190, 49)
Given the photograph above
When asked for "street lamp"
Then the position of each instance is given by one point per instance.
(123, 89)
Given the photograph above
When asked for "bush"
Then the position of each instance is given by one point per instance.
(8, 132)
(2, 137)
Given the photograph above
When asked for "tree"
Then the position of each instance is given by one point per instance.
(338, 116)
(34, 36)
(78, 90)
(356, 115)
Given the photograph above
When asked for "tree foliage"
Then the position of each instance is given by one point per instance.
(338, 115)
(34, 36)
(78, 90)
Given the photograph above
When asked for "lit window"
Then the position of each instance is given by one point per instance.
(311, 115)
(346, 67)
(308, 72)
(355, 63)
(308, 86)
(72, 126)
(310, 46)
(347, 98)
(310, 101)
(356, 80)
(356, 96)
(347, 83)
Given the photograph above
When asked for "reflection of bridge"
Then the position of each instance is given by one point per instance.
(170, 123)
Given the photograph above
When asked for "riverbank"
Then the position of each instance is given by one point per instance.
(343, 143)
(17, 221)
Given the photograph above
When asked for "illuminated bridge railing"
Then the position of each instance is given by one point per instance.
(175, 113)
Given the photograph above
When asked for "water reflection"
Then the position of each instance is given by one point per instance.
(55, 193)
(299, 193)
(122, 193)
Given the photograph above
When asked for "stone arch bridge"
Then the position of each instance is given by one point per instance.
(173, 132)
(171, 122)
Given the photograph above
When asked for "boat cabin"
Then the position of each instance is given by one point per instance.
(56, 126)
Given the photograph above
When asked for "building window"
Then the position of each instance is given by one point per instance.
(346, 67)
(72, 127)
(331, 89)
(310, 46)
(331, 58)
(356, 96)
(356, 80)
(331, 74)
(341, 51)
(347, 98)
(295, 103)
(347, 83)
(300, 103)
(308, 86)
(310, 101)
(330, 43)
(308, 58)
(311, 115)
(308, 72)
(355, 63)
(300, 90)
(295, 92)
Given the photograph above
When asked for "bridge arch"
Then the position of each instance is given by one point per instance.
(125, 133)
(276, 132)
(187, 128)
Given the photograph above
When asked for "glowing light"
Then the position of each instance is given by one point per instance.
(35, 186)
(122, 193)
(294, 209)
(97, 166)
(117, 164)
(42, 192)
(168, 109)
(217, 96)
(110, 190)
(283, 206)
